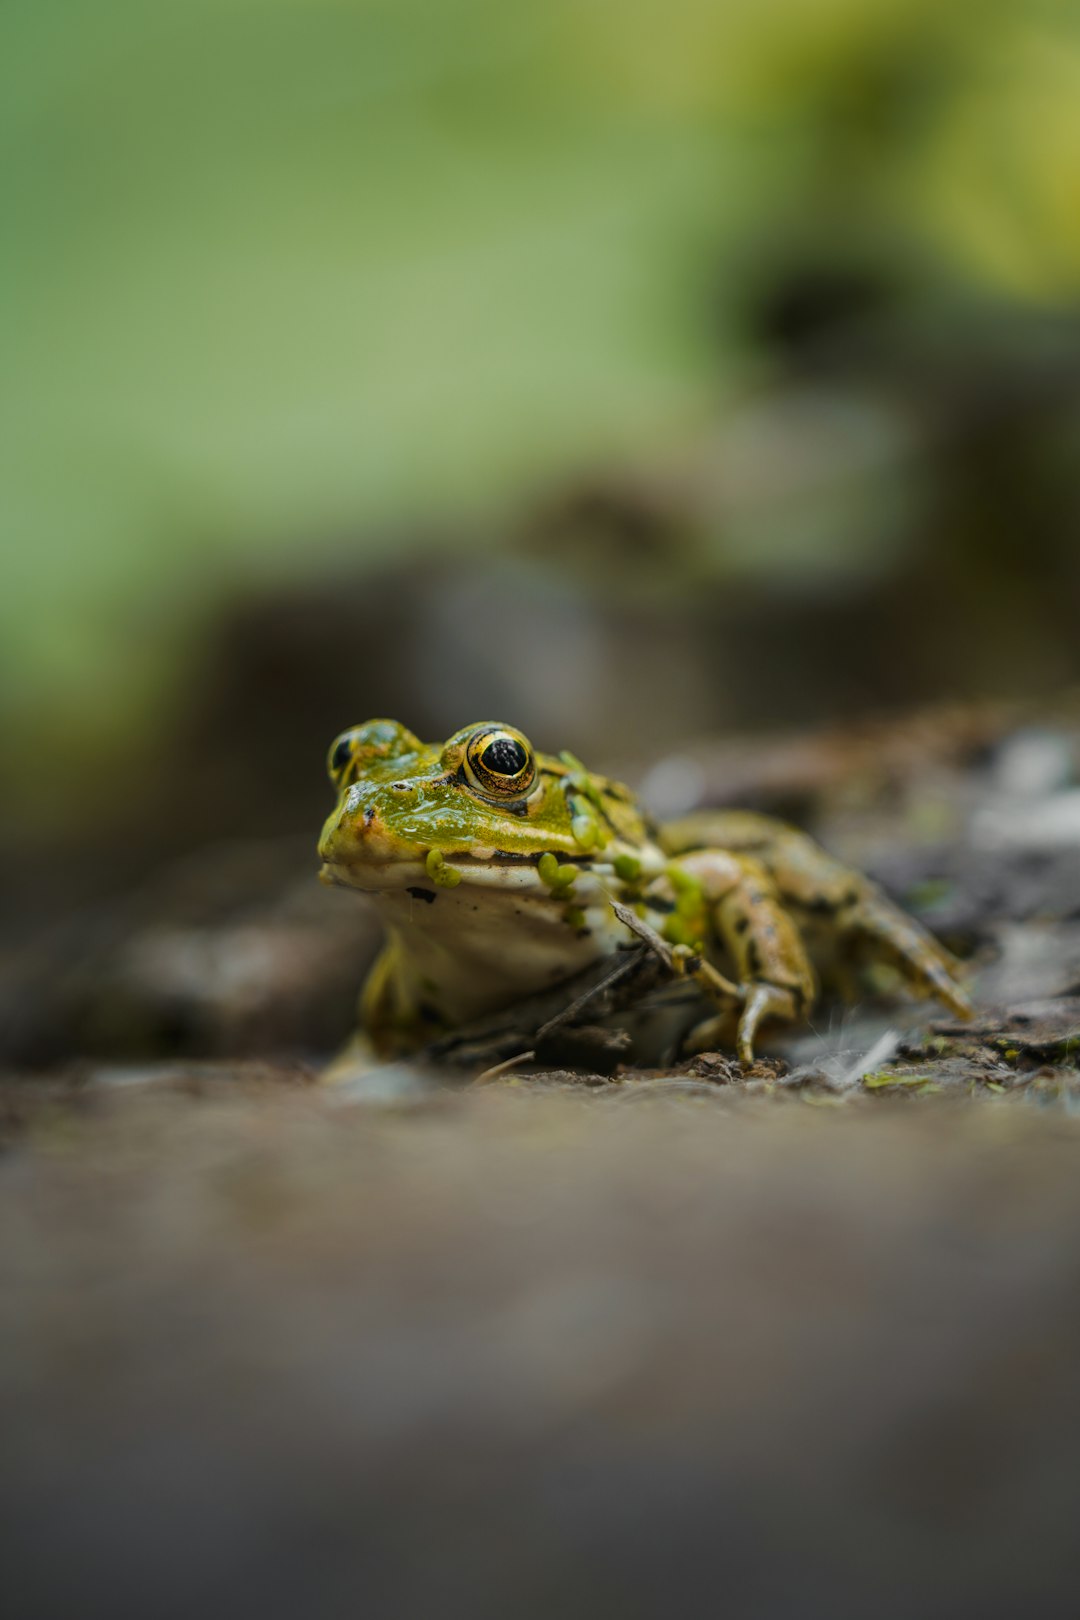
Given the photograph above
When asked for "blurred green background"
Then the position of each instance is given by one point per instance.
(628, 371)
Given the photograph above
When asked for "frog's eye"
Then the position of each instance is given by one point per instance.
(362, 746)
(340, 754)
(499, 762)
(340, 757)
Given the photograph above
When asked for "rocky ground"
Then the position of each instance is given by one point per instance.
(798, 1343)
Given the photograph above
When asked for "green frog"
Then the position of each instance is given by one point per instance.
(495, 868)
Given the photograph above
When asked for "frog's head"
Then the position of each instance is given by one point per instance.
(480, 807)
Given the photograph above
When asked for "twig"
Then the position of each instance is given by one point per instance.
(652, 939)
(570, 1012)
(679, 965)
(501, 1068)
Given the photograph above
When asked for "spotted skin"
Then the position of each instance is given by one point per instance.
(794, 888)
(495, 867)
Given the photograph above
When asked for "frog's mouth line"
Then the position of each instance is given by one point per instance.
(502, 868)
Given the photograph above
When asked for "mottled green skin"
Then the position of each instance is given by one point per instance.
(403, 797)
(492, 896)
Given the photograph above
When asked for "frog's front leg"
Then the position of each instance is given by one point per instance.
(379, 1036)
(746, 912)
(393, 1024)
(395, 1016)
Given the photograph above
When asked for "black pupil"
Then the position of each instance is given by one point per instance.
(342, 755)
(504, 757)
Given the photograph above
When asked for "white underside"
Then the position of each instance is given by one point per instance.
(495, 937)
(473, 948)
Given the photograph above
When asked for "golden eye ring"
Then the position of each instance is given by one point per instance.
(499, 762)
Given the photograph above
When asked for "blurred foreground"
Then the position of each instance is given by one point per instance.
(610, 1353)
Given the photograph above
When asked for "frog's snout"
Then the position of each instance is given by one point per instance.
(341, 833)
(352, 835)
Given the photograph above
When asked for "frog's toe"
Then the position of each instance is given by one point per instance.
(928, 968)
(762, 1001)
(740, 1026)
(716, 1034)
(355, 1060)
